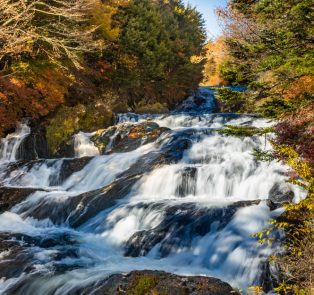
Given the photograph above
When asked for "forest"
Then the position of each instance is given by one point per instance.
(92, 58)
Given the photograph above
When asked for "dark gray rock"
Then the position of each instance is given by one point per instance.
(67, 168)
(180, 224)
(35, 145)
(279, 194)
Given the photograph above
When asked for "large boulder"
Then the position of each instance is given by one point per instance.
(280, 194)
(158, 282)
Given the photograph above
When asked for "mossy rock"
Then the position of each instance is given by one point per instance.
(141, 283)
(69, 120)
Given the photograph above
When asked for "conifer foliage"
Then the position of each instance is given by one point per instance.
(152, 55)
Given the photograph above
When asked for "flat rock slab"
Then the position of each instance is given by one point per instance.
(148, 282)
(10, 196)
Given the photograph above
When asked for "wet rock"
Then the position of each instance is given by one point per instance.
(187, 184)
(242, 204)
(180, 224)
(158, 282)
(65, 149)
(126, 137)
(10, 196)
(16, 262)
(279, 194)
(9, 240)
(70, 166)
(35, 145)
(18, 256)
(13, 173)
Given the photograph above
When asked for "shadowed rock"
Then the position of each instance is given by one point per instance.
(14, 172)
(18, 256)
(181, 223)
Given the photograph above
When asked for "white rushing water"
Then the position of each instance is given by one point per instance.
(83, 146)
(185, 203)
(10, 144)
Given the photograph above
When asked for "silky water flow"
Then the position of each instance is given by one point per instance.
(177, 217)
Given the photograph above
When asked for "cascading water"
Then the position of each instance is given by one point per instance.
(10, 144)
(182, 215)
(83, 147)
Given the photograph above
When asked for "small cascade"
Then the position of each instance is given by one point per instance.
(83, 146)
(9, 145)
(186, 203)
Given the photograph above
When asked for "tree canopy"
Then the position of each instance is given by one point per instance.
(127, 53)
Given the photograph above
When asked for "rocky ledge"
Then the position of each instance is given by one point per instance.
(10, 196)
(126, 137)
(148, 282)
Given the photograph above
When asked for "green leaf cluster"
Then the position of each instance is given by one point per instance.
(244, 131)
(226, 94)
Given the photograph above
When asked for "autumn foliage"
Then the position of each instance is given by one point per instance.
(56, 54)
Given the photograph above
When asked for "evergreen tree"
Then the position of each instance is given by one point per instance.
(151, 58)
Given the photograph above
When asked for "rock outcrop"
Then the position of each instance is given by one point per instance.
(160, 283)
(14, 172)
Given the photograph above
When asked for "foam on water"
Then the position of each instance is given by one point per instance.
(214, 172)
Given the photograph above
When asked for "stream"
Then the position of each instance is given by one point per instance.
(185, 203)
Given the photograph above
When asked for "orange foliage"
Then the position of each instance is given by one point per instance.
(217, 81)
(216, 53)
(304, 86)
(27, 97)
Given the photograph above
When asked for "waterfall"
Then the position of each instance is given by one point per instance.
(83, 146)
(10, 144)
(186, 204)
